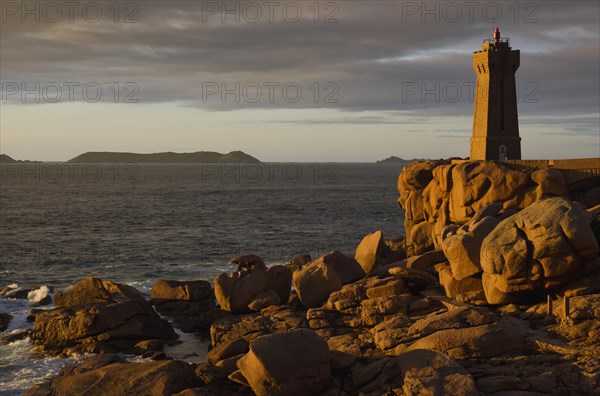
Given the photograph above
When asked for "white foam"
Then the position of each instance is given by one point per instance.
(38, 295)
(22, 369)
(143, 287)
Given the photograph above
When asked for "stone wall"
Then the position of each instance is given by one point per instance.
(587, 165)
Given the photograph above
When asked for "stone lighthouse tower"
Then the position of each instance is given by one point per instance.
(495, 123)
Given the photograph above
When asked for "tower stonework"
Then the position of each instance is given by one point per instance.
(495, 122)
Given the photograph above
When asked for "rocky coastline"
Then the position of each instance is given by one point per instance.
(494, 290)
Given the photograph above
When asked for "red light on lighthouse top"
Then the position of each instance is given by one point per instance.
(497, 35)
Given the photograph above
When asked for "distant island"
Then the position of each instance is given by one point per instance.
(5, 159)
(396, 160)
(199, 157)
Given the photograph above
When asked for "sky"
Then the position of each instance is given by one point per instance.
(299, 81)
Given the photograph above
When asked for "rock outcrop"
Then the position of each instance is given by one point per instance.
(457, 206)
(370, 251)
(469, 289)
(94, 290)
(295, 363)
(325, 275)
(275, 319)
(484, 341)
(539, 249)
(252, 287)
(374, 251)
(110, 375)
(435, 194)
(97, 316)
(462, 245)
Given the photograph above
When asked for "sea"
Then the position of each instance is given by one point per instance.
(136, 223)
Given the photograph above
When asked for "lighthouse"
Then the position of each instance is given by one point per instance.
(495, 121)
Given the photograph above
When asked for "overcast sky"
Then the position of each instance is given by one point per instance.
(343, 81)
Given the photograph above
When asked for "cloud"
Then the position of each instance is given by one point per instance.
(374, 51)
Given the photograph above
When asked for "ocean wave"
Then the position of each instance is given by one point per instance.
(143, 287)
(39, 294)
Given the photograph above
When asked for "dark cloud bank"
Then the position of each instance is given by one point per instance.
(364, 55)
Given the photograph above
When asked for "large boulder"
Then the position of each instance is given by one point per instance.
(113, 376)
(105, 317)
(551, 182)
(237, 290)
(543, 247)
(315, 283)
(325, 275)
(469, 289)
(346, 268)
(287, 364)
(478, 183)
(370, 251)
(463, 250)
(422, 238)
(94, 290)
(462, 245)
(191, 304)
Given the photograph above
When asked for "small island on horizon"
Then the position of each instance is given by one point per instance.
(396, 160)
(5, 159)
